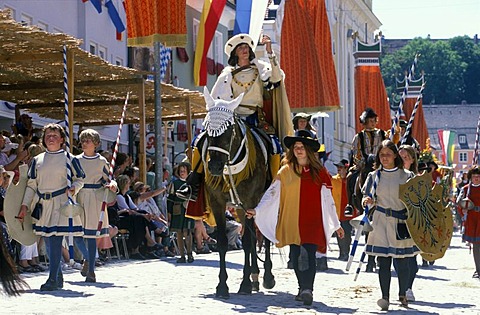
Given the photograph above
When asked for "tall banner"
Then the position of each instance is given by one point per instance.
(369, 86)
(307, 56)
(150, 21)
(249, 18)
(212, 10)
(447, 143)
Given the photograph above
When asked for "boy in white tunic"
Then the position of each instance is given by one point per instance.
(47, 183)
(90, 197)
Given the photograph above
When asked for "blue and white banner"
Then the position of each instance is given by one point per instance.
(249, 18)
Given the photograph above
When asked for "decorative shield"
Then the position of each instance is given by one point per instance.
(426, 219)
(448, 233)
(22, 232)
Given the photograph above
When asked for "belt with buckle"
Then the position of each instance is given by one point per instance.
(50, 195)
(92, 186)
(399, 214)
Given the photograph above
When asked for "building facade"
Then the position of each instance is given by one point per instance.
(82, 21)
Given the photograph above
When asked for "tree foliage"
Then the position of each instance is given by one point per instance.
(450, 67)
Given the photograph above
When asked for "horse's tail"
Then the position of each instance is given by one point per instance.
(11, 282)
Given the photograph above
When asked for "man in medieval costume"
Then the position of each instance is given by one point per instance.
(264, 105)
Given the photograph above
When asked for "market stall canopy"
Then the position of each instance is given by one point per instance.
(31, 75)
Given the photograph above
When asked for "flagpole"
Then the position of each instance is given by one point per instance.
(411, 73)
(412, 116)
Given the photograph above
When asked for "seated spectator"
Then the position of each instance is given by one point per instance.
(158, 224)
(233, 230)
(125, 215)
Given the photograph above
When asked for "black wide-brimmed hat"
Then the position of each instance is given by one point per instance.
(342, 163)
(304, 136)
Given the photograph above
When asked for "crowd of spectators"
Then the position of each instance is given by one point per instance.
(141, 210)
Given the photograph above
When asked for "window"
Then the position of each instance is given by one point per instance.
(43, 26)
(218, 47)
(93, 48)
(119, 61)
(462, 139)
(102, 52)
(195, 26)
(57, 31)
(26, 20)
(462, 156)
(11, 12)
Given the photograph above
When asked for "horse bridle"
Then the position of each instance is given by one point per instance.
(243, 144)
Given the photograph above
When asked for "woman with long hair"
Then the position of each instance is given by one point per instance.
(389, 238)
(300, 198)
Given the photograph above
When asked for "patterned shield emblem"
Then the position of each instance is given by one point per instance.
(448, 237)
(426, 214)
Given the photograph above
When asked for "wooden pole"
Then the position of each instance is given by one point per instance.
(70, 83)
(189, 127)
(141, 150)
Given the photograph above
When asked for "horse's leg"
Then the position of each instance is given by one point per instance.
(222, 245)
(268, 278)
(248, 243)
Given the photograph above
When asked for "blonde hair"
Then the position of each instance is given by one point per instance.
(34, 150)
(90, 134)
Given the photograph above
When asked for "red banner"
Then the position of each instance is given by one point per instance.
(150, 21)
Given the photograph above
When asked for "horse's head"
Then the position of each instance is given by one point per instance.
(219, 125)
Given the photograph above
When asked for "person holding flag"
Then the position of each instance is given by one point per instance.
(253, 77)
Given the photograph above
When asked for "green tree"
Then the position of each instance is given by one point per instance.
(449, 67)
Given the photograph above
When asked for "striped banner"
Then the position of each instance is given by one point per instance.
(447, 142)
(212, 10)
(249, 18)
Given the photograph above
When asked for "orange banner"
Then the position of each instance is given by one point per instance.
(370, 92)
(150, 21)
(307, 58)
(419, 126)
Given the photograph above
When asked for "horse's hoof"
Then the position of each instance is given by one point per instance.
(269, 284)
(255, 286)
(222, 295)
(244, 292)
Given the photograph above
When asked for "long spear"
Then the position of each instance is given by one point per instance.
(363, 221)
(411, 72)
(112, 165)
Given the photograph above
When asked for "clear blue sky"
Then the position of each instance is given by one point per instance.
(419, 18)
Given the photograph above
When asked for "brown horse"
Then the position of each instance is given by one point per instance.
(236, 172)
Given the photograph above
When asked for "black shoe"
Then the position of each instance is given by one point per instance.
(60, 281)
(307, 297)
(50, 285)
(137, 256)
(152, 255)
(91, 277)
(298, 297)
(190, 259)
(290, 264)
(181, 260)
(321, 264)
(369, 268)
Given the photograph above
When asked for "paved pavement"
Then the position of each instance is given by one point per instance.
(135, 287)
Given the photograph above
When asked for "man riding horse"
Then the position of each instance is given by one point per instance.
(364, 144)
(264, 105)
